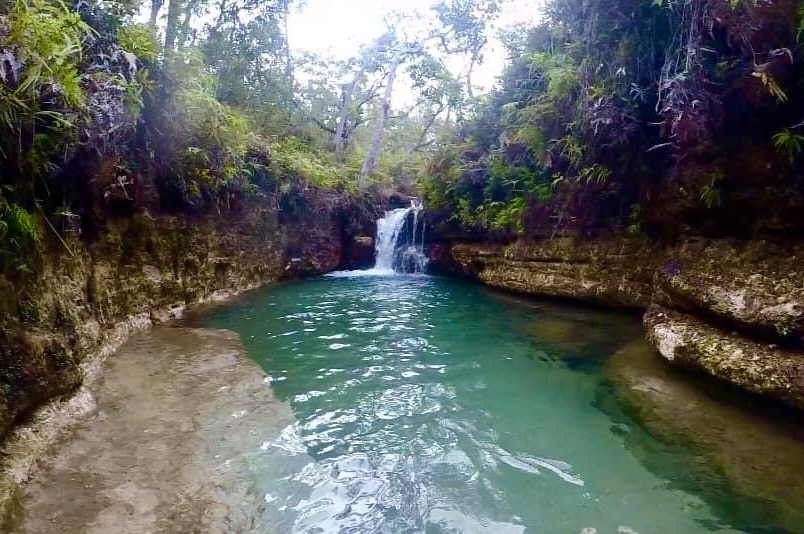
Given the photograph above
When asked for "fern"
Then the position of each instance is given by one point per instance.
(18, 227)
(789, 143)
(597, 174)
(140, 40)
(48, 39)
(710, 193)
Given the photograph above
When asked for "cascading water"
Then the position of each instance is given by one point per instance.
(388, 230)
(389, 255)
(413, 259)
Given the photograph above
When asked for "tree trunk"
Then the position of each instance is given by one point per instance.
(339, 141)
(174, 9)
(373, 156)
(156, 5)
(289, 71)
(184, 28)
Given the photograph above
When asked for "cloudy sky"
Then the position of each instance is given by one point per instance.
(337, 28)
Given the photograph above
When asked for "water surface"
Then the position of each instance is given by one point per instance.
(429, 405)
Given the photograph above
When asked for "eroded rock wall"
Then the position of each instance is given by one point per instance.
(141, 270)
(731, 309)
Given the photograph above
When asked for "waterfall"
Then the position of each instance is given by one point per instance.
(390, 257)
(388, 230)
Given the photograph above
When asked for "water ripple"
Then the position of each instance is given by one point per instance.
(425, 406)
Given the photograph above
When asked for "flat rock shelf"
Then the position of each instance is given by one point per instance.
(166, 450)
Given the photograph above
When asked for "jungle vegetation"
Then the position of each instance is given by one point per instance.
(646, 117)
(201, 107)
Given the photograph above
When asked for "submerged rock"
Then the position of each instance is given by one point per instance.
(139, 266)
(173, 454)
(756, 367)
(701, 286)
(756, 450)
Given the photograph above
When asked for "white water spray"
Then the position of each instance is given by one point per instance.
(413, 259)
(390, 257)
(388, 230)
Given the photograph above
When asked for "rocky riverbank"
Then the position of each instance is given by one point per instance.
(731, 309)
(85, 298)
(179, 462)
(739, 444)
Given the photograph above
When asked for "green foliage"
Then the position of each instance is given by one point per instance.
(18, 235)
(47, 38)
(503, 215)
(38, 110)
(140, 40)
(711, 192)
(292, 158)
(789, 143)
(211, 125)
(595, 173)
(215, 142)
(800, 27)
(605, 100)
(635, 221)
(135, 87)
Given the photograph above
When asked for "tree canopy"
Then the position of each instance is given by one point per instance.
(642, 116)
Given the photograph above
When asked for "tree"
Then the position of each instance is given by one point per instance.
(440, 93)
(460, 29)
(156, 5)
(171, 28)
(464, 26)
(367, 62)
(373, 157)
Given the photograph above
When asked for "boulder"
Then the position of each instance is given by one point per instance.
(754, 286)
(760, 368)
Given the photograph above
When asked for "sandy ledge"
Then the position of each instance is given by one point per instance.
(165, 448)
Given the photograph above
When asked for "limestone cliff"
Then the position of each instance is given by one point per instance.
(140, 270)
(732, 309)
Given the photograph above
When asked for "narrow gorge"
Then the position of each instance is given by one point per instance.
(444, 266)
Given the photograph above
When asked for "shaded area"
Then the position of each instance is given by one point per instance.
(168, 449)
(736, 445)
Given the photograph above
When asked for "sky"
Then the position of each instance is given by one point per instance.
(337, 29)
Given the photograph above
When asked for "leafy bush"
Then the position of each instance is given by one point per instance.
(41, 97)
(789, 143)
(140, 40)
(609, 104)
(215, 140)
(18, 235)
(47, 41)
(291, 159)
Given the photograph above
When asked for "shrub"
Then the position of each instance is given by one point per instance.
(140, 40)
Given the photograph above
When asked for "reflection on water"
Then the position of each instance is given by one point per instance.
(428, 405)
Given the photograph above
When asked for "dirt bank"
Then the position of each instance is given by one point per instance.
(166, 449)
